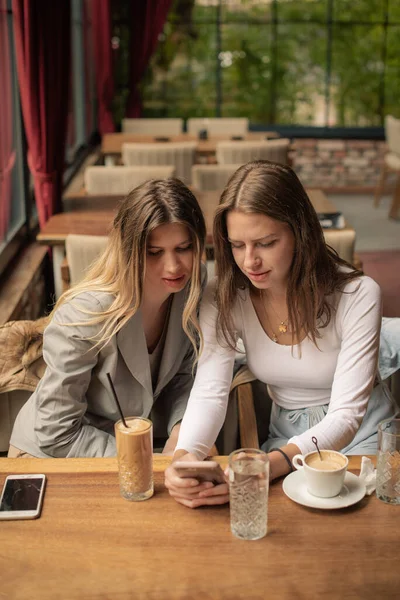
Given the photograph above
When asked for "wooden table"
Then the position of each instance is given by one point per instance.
(90, 543)
(111, 143)
(92, 215)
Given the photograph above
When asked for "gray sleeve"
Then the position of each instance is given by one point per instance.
(61, 394)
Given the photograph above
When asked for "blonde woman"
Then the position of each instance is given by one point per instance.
(133, 316)
(310, 326)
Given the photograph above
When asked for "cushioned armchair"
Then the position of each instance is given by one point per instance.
(181, 155)
(120, 180)
(157, 127)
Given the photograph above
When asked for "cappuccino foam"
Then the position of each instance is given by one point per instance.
(330, 461)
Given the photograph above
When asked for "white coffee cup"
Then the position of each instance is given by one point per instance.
(324, 478)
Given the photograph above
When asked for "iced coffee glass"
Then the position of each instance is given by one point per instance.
(135, 458)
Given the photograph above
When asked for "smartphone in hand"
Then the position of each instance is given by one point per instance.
(201, 470)
(22, 496)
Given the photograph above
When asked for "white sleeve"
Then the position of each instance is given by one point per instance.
(208, 401)
(358, 321)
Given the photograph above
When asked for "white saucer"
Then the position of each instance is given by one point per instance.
(353, 490)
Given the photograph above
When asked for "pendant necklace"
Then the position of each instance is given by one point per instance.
(283, 326)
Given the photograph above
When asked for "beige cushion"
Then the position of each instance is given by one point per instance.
(81, 252)
(392, 133)
(162, 127)
(343, 241)
(212, 177)
(393, 161)
(240, 152)
(122, 179)
(218, 126)
(180, 154)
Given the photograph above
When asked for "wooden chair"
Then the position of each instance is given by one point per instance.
(391, 164)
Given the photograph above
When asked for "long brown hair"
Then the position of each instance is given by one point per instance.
(274, 190)
(121, 268)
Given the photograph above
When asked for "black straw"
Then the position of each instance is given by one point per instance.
(315, 441)
(116, 399)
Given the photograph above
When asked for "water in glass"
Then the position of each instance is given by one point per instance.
(248, 483)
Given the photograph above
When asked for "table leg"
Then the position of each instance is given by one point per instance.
(394, 209)
(58, 256)
(110, 160)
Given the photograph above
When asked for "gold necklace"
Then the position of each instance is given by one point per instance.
(283, 326)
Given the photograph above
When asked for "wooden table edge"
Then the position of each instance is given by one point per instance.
(104, 465)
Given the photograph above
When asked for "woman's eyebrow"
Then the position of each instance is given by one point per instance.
(180, 244)
(257, 240)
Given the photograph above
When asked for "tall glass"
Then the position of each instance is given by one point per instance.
(248, 488)
(135, 458)
(388, 467)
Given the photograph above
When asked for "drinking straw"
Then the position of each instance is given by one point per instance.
(116, 399)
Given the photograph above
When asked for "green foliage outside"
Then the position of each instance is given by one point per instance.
(271, 61)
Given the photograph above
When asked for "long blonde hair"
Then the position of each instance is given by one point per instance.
(274, 190)
(120, 269)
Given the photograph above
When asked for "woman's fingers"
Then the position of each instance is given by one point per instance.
(189, 492)
(218, 490)
(197, 502)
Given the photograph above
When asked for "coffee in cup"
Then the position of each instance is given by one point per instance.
(135, 458)
(324, 475)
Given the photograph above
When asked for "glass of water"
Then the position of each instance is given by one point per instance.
(388, 466)
(248, 489)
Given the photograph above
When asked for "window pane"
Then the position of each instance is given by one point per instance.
(182, 82)
(302, 10)
(300, 74)
(12, 201)
(392, 73)
(359, 10)
(356, 75)
(394, 11)
(242, 10)
(246, 71)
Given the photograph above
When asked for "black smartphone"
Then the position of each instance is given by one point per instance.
(22, 496)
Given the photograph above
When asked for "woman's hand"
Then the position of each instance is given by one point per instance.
(189, 491)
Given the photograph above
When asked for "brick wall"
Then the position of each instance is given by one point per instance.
(351, 165)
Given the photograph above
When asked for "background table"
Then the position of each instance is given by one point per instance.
(111, 143)
(90, 543)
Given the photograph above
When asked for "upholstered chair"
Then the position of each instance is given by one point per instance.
(120, 180)
(240, 152)
(181, 155)
(391, 164)
(156, 127)
(218, 126)
(211, 177)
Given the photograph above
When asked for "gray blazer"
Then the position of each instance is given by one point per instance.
(72, 412)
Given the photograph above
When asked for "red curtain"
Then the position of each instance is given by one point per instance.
(101, 21)
(7, 153)
(42, 38)
(147, 22)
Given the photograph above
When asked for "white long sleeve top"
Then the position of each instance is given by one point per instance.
(339, 372)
